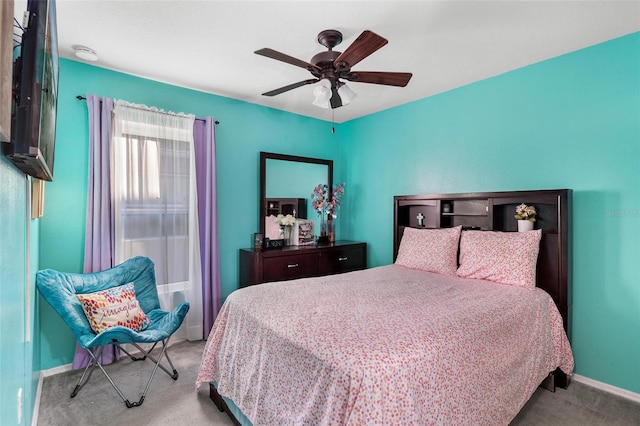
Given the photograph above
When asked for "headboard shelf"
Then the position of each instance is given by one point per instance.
(464, 214)
(417, 202)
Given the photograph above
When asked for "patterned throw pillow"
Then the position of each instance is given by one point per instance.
(116, 306)
(502, 257)
(431, 250)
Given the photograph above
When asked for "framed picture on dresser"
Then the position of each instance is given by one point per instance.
(258, 241)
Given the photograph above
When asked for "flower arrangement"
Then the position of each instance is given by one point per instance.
(525, 212)
(321, 202)
(287, 220)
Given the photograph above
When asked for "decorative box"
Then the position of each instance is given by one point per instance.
(303, 234)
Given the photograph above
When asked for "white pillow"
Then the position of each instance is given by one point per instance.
(116, 306)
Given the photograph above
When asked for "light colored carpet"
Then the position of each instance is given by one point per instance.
(578, 405)
(168, 402)
(171, 402)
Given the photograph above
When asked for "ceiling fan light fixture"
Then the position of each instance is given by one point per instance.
(346, 94)
(85, 53)
(322, 93)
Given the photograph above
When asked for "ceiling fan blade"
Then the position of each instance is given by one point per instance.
(273, 54)
(290, 87)
(378, 77)
(335, 100)
(366, 43)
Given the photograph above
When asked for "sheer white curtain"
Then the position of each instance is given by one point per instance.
(155, 200)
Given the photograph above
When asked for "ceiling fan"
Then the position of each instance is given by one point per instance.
(331, 66)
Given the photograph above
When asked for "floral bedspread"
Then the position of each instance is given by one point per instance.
(387, 345)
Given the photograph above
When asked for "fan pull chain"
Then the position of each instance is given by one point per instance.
(333, 121)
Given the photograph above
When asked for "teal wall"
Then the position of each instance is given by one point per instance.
(244, 130)
(19, 341)
(569, 122)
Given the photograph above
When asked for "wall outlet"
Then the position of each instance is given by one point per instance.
(20, 406)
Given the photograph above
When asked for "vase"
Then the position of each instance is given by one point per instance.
(285, 231)
(525, 226)
(286, 235)
(323, 238)
(291, 237)
(331, 230)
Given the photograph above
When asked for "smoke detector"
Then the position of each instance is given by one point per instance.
(85, 53)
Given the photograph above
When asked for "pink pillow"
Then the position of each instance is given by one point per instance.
(432, 250)
(502, 257)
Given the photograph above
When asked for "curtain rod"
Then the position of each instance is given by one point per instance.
(82, 98)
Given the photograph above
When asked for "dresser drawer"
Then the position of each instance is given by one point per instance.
(290, 267)
(342, 260)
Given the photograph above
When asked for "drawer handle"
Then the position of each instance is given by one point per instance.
(342, 259)
(292, 265)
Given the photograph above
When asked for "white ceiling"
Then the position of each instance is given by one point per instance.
(209, 45)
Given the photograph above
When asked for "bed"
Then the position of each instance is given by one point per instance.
(413, 342)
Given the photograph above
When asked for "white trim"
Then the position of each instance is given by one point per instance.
(56, 370)
(608, 388)
(36, 403)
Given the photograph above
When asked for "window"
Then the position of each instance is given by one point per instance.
(155, 200)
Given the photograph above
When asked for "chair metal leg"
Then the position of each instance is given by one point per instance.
(155, 368)
(173, 374)
(96, 363)
(126, 401)
(89, 368)
(135, 358)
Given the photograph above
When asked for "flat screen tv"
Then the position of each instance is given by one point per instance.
(33, 121)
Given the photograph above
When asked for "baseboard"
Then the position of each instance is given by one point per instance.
(56, 370)
(607, 388)
(36, 403)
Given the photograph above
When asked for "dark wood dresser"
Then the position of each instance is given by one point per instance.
(293, 262)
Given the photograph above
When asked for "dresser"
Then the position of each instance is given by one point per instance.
(294, 262)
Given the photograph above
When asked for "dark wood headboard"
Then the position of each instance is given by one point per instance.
(494, 211)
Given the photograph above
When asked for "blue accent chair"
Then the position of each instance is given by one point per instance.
(59, 289)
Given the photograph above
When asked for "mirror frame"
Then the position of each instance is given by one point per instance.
(264, 156)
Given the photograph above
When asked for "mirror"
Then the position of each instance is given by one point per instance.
(286, 184)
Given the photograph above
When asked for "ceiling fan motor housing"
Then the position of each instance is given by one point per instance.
(325, 60)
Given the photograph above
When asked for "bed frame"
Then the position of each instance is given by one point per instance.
(492, 211)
